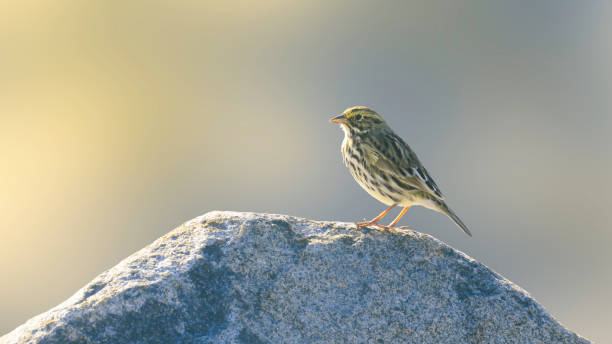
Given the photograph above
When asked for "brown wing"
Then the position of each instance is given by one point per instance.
(397, 159)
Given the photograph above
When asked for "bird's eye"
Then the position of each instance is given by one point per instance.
(358, 117)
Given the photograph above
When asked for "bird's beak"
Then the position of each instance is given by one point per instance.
(338, 119)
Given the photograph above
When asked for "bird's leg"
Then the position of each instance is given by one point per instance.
(376, 219)
(398, 217)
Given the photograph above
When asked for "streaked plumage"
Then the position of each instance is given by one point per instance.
(385, 166)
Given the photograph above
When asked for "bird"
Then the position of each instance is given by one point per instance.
(385, 166)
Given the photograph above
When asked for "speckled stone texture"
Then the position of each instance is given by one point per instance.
(229, 277)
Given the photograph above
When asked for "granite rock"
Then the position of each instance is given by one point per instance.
(228, 277)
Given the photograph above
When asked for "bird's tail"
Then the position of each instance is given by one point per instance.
(448, 212)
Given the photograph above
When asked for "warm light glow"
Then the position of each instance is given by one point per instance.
(120, 120)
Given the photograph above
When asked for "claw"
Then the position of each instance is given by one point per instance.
(365, 224)
(375, 224)
(374, 221)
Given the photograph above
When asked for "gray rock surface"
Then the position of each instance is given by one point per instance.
(229, 277)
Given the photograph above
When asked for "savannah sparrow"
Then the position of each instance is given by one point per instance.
(383, 164)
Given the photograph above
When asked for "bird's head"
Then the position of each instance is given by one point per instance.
(359, 119)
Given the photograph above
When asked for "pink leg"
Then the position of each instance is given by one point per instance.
(399, 217)
(376, 219)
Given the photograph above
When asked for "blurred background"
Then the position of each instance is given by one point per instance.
(119, 120)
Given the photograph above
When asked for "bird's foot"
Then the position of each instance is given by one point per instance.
(364, 224)
(373, 223)
(367, 224)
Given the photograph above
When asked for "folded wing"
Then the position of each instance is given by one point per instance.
(401, 162)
